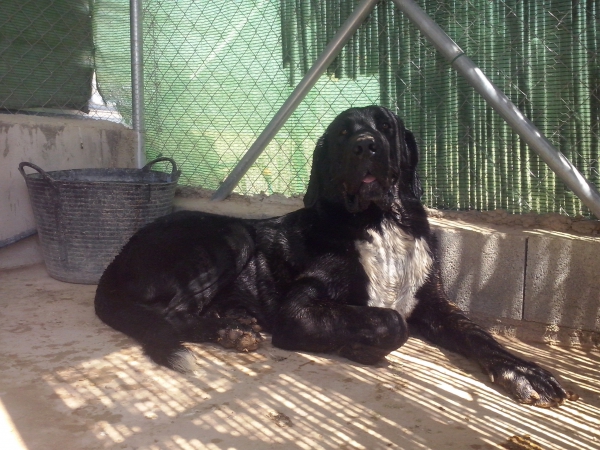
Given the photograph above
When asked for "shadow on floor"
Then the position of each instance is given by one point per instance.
(69, 382)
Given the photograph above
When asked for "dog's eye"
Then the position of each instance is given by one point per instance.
(385, 126)
(344, 132)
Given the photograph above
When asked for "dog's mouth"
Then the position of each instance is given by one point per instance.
(358, 196)
(368, 178)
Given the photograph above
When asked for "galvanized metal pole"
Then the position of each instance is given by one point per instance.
(566, 171)
(136, 23)
(334, 47)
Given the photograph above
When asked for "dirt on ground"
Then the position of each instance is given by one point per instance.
(70, 382)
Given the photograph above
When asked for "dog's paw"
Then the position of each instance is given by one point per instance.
(240, 339)
(529, 383)
(251, 323)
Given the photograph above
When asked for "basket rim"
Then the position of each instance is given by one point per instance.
(108, 172)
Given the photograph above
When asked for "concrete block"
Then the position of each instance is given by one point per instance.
(483, 269)
(563, 281)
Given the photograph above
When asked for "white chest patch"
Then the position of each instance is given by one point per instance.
(397, 265)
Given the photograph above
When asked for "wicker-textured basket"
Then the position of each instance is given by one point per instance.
(85, 216)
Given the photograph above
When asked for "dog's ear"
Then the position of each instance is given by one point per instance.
(413, 159)
(313, 191)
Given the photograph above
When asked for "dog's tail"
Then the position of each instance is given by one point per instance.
(159, 337)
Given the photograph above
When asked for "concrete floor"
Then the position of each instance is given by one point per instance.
(70, 382)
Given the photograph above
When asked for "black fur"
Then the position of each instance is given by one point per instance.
(198, 277)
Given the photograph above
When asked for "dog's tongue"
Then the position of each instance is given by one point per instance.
(368, 178)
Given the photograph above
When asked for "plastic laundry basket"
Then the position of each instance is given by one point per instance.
(85, 216)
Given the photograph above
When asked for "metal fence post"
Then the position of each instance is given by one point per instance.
(137, 78)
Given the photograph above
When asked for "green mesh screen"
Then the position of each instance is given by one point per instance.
(46, 54)
(216, 72)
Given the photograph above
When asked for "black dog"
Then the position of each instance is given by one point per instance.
(343, 275)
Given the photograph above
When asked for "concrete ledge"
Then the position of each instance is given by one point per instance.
(528, 331)
(53, 143)
(252, 207)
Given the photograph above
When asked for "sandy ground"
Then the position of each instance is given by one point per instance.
(70, 382)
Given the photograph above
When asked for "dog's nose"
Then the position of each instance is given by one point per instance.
(365, 145)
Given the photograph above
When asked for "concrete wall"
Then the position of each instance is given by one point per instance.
(528, 276)
(533, 275)
(483, 269)
(51, 143)
(562, 285)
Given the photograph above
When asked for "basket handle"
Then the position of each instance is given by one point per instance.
(174, 173)
(33, 166)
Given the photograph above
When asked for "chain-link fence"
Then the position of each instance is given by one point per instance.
(47, 59)
(216, 72)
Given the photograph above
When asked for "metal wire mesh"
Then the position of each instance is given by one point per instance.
(544, 56)
(214, 79)
(47, 59)
(216, 72)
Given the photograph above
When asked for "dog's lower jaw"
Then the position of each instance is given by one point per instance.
(371, 193)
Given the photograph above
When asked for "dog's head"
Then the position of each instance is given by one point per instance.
(365, 157)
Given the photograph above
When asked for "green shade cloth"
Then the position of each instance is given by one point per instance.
(46, 54)
(216, 72)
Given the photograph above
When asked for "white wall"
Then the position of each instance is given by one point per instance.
(52, 143)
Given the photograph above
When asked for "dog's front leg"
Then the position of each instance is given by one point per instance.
(443, 324)
(311, 320)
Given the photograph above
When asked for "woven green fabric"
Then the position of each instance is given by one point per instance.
(543, 55)
(213, 80)
(46, 54)
(216, 73)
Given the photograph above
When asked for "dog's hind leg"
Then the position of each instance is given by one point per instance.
(162, 335)
(165, 344)
(239, 332)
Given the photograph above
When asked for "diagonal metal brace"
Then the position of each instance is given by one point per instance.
(536, 140)
(333, 49)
